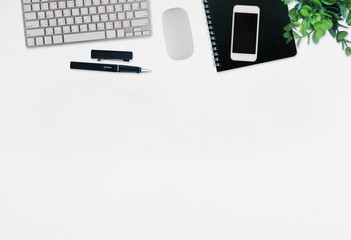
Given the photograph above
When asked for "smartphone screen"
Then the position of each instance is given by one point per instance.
(245, 33)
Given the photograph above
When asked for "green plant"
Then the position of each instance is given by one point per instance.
(314, 18)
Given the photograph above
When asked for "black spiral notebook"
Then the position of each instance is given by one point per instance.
(271, 44)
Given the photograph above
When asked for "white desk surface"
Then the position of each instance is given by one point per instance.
(183, 152)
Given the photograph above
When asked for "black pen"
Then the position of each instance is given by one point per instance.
(107, 67)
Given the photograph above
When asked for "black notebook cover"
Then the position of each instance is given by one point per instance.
(271, 43)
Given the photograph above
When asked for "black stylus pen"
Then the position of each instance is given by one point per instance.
(107, 67)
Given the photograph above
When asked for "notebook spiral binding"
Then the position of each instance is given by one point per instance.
(216, 59)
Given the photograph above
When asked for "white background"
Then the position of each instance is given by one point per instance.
(183, 152)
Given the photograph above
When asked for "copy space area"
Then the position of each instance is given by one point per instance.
(182, 152)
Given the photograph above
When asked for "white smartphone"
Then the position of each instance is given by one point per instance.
(245, 33)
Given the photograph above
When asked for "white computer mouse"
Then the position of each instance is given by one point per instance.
(177, 32)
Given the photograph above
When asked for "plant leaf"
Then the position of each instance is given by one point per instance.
(296, 24)
(325, 24)
(317, 3)
(334, 15)
(332, 32)
(304, 12)
(315, 37)
(308, 8)
(329, 2)
(343, 26)
(348, 19)
(341, 35)
(296, 35)
(348, 51)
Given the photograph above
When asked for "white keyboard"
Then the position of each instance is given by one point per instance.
(49, 22)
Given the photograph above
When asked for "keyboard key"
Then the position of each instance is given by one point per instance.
(52, 22)
(111, 34)
(87, 2)
(121, 16)
(135, 6)
(130, 15)
(141, 14)
(78, 20)
(104, 17)
(48, 40)
(49, 31)
(109, 25)
(35, 32)
(127, 7)
(120, 33)
(126, 24)
(87, 19)
(62, 5)
(27, 8)
(79, 3)
(49, 14)
(32, 24)
(84, 11)
(112, 16)
(58, 13)
(30, 16)
(66, 29)
(143, 5)
(39, 41)
(30, 42)
(57, 39)
(67, 12)
(61, 21)
(100, 26)
(44, 6)
(118, 24)
(70, 4)
(95, 18)
(44, 23)
(75, 28)
(83, 28)
(118, 8)
(92, 27)
(58, 30)
(96, 2)
(69, 21)
(75, 12)
(35, 7)
(101, 9)
(53, 5)
(84, 36)
(140, 22)
(92, 10)
(110, 8)
(41, 15)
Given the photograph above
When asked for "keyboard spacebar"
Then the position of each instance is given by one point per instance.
(79, 37)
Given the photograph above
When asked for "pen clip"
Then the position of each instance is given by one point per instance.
(111, 55)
